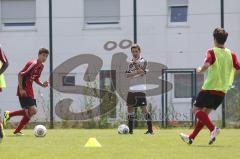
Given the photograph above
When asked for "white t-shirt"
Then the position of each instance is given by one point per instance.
(138, 82)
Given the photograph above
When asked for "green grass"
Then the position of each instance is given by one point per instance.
(165, 144)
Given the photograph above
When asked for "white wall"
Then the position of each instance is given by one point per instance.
(176, 47)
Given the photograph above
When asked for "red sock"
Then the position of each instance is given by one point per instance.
(196, 130)
(203, 117)
(21, 112)
(22, 123)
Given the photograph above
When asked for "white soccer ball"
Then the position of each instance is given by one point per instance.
(123, 129)
(40, 131)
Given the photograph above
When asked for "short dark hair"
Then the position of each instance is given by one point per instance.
(43, 50)
(220, 35)
(135, 46)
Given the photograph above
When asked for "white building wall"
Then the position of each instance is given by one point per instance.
(176, 47)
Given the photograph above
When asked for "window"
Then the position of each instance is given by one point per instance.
(102, 11)
(178, 14)
(18, 12)
(182, 85)
(178, 11)
(68, 80)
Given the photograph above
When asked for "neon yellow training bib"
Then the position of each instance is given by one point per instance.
(221, 73)
(2, 79)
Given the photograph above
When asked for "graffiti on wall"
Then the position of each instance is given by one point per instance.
(119, 64)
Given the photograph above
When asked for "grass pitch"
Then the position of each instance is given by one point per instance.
(165, 144)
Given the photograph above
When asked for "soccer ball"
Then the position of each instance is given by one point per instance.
(40, 131)
(123, 129)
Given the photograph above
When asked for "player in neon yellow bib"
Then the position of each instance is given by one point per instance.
(221, 73)
(221, 64)
(3, 67)
(2, 79)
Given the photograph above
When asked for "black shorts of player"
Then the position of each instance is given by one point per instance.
(27, 102)
(136, 99)
(208, 100)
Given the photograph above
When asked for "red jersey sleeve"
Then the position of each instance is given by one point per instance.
(235, 61)
(27, 68)
(39, 73)
(210, 57)
(3, 58)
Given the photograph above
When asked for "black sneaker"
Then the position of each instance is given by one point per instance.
(149, 133)
(131, 132)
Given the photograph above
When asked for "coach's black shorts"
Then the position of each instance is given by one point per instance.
(208, 100)
(136, 99)
(27, 102)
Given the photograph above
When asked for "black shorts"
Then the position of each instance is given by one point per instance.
(27, 102)
(136, 99)
(208, 100)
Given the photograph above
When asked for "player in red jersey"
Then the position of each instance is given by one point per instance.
(221, 64)
(3, 67)
(29, 74)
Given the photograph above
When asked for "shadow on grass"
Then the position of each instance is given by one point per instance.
(215, 146)
(19, 136)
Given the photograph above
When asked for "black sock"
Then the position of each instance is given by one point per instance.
(149, 121)
(130, 122)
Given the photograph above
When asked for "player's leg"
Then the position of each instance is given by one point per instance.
(199, 125)
(141, 101)
(24, 102)
(32, 110)
(131, 118)
(217, 101)
(8, 115)
(212, 102)
(148, 118)
(202, 119)
(29, 106)
(203, 98)
(202, 116)
(1, 130)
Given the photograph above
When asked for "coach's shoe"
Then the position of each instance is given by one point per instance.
(6, 117)
(149, 133)
(18, 133)
(186, 138)
(214, 134)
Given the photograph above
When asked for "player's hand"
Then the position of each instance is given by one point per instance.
(140, 71)
(199, 70)
(45, 84)
(22, 92)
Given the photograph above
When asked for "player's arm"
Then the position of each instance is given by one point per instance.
(138, 71)
(20, 85)
(203, 68)
(24, 72)
(238, 72)
(40, 83)
(236, 63)
(209, 60)
(144, 68)
(135, 73)
(4, 61)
